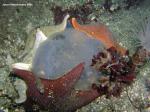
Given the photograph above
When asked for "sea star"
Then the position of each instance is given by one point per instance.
(59, 95)
(100, 32)
(47, 32)
(36, 37)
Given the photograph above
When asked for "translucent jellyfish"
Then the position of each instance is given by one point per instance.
(65, 50)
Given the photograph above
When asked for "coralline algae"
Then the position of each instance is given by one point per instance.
(56, 56)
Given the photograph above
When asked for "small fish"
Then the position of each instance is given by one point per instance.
(100, 32)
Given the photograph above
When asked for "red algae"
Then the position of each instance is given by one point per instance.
(118, 72)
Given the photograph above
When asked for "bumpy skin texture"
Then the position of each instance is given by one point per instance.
(59, 95)
(67, 49)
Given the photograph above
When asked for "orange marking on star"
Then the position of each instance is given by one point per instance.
(99, 32)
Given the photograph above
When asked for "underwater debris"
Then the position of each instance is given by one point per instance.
(119, 72)
(79, 12)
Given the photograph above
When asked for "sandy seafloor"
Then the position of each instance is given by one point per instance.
(15, 21)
